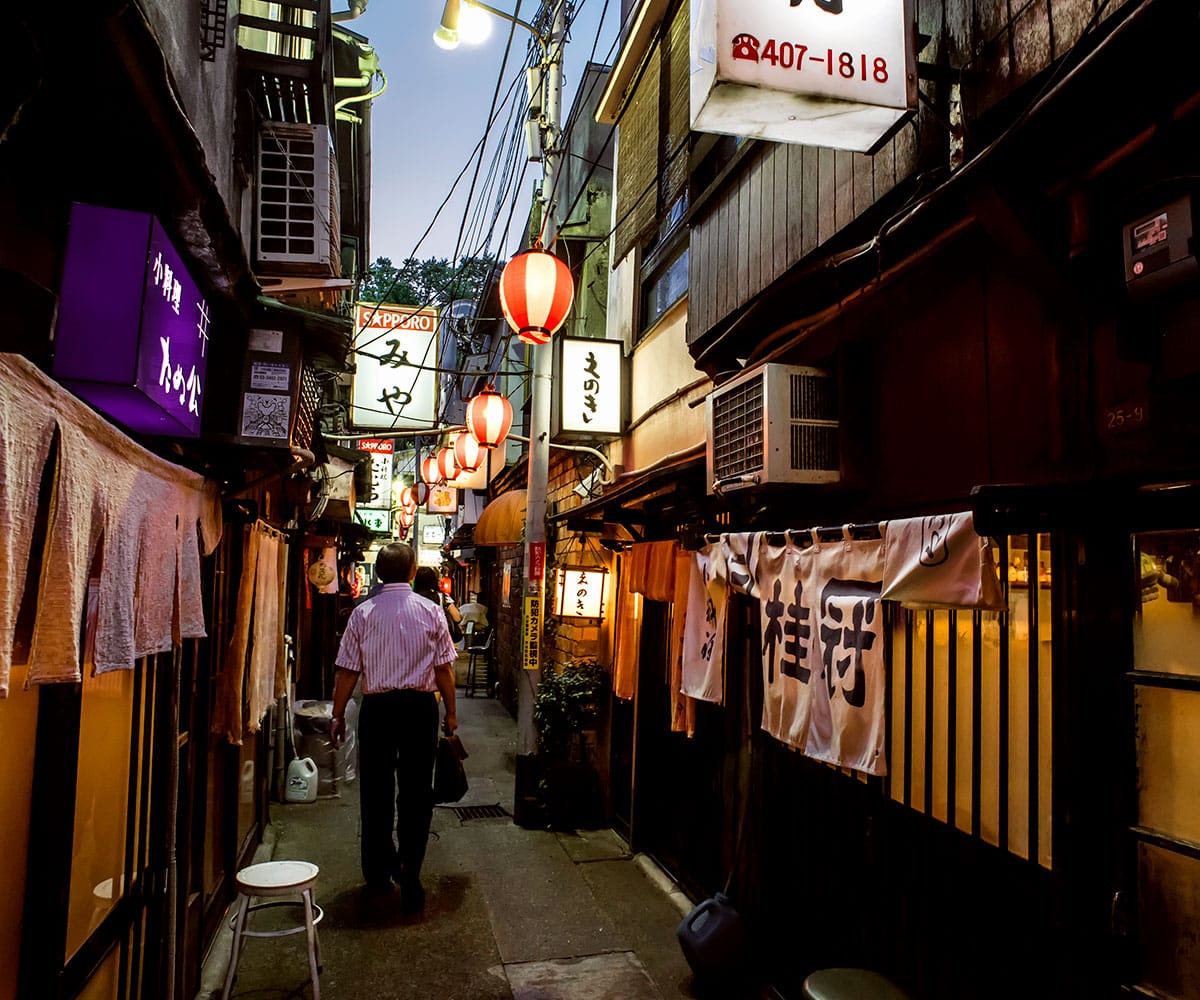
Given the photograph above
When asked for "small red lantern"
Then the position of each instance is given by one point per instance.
(445, 585)
(408, 499)
(536, 292)
(420, 493)
(446, 463)
(406, 518)
(468, 455)
(489, 416)
(429, 471)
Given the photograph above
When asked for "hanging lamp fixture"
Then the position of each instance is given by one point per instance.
(469, 454)
(447, 465)
(489, 416)
(536, 292)
(429, 471)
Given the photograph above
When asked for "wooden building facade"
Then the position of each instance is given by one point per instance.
(971, 287)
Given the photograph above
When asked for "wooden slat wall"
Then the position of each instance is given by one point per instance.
(790, 200)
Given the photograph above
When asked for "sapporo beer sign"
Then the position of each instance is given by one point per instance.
(395, 379)
(837, 73)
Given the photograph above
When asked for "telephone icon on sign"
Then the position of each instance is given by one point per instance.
(745, 47)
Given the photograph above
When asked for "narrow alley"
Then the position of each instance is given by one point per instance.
(510, 912)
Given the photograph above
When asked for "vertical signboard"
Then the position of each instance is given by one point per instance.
(531, 634)
(382, 451)
(838, 73)
(395, 382)
(589, 387)
(133, 328)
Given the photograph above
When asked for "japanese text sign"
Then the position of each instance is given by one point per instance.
(133, 328)
(531, 633)
(590, 386)
(381, 469)
(579, 592)
(395, 382)
(838, 73)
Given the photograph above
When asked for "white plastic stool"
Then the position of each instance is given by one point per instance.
(277, 878)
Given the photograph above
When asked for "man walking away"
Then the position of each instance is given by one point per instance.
(400, 646)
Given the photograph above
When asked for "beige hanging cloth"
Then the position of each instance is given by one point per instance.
(108, 497)
(683, 708)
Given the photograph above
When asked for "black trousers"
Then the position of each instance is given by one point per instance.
(397, 741)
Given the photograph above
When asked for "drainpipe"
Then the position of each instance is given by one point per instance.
(357, 9)
(368, 64)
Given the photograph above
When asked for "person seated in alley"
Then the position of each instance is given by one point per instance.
(400, 646)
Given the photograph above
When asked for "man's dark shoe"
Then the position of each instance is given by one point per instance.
(412, 896)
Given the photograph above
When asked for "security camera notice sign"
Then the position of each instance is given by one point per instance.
(531, 634)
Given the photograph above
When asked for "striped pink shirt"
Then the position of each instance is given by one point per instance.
(395, 640)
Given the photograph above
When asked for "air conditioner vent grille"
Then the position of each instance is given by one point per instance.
(738, 431)
(774, 424)
(813, 397)
(297, 219)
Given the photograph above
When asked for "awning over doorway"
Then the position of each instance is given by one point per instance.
(502, 522)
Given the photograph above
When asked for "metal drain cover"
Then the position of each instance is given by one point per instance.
(465, 813)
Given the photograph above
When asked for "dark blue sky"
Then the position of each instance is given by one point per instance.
(435, 109)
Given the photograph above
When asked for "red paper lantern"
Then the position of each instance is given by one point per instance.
(429, 471)
(536, 292)
(408, 499)
(446, 463)
(489, 416)
(468, 454)
(420, 493)
(445, 585)
(406, 518)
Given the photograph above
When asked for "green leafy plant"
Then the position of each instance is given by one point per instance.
(568, 702)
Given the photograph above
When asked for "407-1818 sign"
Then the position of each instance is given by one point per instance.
(797, 56)
(837, 73)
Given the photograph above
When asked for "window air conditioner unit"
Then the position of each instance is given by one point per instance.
(297, 224)
(773, 424)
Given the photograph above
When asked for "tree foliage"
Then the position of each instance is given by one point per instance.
(430, 282)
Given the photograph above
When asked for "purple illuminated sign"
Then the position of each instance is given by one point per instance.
(133, 329)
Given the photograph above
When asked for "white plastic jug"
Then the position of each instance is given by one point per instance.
(301, 781)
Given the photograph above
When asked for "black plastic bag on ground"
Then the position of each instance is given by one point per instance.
(449, 776)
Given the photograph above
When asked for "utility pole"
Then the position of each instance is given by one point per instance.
(525, 791)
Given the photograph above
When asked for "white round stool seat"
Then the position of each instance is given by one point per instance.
(277, 878)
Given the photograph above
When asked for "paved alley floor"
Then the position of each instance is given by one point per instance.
(511, 913)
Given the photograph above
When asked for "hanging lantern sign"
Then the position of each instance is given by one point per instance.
(420, 492)
(430, 475)
(468, 455)
(589, 387)
(579, 592)
(489, 416)
(536, 292)
(446, 464)
(408, 500)
(838, 73)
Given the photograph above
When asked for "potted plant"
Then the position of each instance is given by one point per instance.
(569, 702)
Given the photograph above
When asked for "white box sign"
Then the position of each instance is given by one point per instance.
(589, 385)
(395, 384)
(837, 73)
